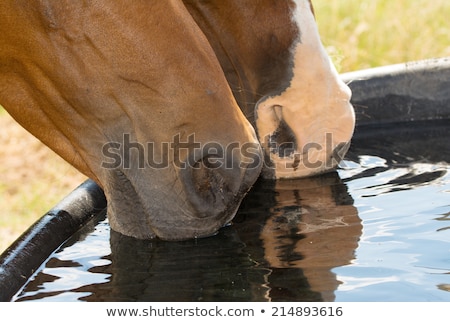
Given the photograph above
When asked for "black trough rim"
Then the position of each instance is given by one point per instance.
(33, 247)
(412, 91)
(415, 91)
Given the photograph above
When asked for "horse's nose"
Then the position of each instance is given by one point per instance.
(215, 184)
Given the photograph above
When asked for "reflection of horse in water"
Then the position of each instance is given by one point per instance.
(311, 228)
(286, 239)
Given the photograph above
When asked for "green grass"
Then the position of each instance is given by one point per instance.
(367, 33)
(358, 34)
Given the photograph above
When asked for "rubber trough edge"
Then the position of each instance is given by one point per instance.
(34, 246)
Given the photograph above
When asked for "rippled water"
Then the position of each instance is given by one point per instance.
(376, 230)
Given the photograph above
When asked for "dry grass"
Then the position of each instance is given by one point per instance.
(32, 180)
(357, 33)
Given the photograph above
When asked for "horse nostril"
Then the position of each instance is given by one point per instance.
(209, 183)
(211, 187)
(282, 142)
(215, 187)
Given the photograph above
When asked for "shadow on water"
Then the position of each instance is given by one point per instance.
(403, 143)
(402, 146)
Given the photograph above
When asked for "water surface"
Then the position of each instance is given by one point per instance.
(378, 229)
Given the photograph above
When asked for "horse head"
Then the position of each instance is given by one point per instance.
(283, 80)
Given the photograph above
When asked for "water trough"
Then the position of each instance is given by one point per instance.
(408, 104)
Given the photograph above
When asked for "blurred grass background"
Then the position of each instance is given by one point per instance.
(361, 34)
(358, 34)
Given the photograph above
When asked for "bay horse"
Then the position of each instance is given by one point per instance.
(174, 107)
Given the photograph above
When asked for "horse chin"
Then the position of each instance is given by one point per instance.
(126, 209)
(303, 165)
